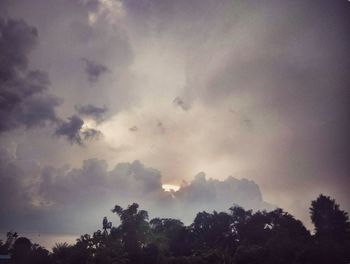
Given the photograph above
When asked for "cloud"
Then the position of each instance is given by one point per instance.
(24, 99)
(57, 199)
(283, 70)
(17, 189)
(73, 130)
(181, 103)
(90, 110)
(94, 70)
(213, 193)
(91, 133)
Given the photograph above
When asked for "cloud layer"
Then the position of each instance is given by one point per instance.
(74, 200)
(24, 100)
(24, 97)
(253, 89)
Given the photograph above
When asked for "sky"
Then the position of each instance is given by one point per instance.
(103, 102)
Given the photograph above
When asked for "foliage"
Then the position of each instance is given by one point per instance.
(328, 219)
(238, 236)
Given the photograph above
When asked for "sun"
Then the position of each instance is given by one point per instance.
(170, 187)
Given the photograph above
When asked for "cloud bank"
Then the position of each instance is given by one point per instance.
(24, 97)
(74, 200)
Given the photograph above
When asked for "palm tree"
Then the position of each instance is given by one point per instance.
(134, 229)
(329, 220)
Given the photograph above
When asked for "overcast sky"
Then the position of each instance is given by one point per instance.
(103, 101)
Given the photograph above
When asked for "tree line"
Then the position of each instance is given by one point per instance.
(237, 236)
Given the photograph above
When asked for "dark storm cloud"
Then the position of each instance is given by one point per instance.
(73, 130)
(93, 181)
(12, 192)
(94, 70)
(18, 185)
(17, 41)
(24, 100)
(55, 199)
(62, 186)
(91, 133)
(24, 97)
(210, 193)
(90, 110)
(38, 110)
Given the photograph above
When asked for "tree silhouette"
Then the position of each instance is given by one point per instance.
(213, 230)
(24, 252)
(166, 234)
(134, 229)
(238, 236)
(329, 220)
(286, 238)
(21, 250)
(331, 241)
(10, 239)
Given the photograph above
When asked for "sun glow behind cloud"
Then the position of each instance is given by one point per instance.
(170, 187)
(89, 123)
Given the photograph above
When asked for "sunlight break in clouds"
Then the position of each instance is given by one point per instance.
(170, 187)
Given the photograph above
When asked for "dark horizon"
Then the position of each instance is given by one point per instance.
(237, 236)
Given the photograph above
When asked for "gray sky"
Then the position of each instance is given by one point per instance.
(103, 101)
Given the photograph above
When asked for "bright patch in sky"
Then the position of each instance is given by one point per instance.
(170, 187)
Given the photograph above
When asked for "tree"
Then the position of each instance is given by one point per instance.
(240, 218)
(10, 239)
(134, 229)
(213, 230)
(166, 233)
(69, 254)
(287, 237)
(250, 254)
(39, 255)
(21, 250)
(237, 237)
(331, 241)
(107, 250)
(330, 222)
